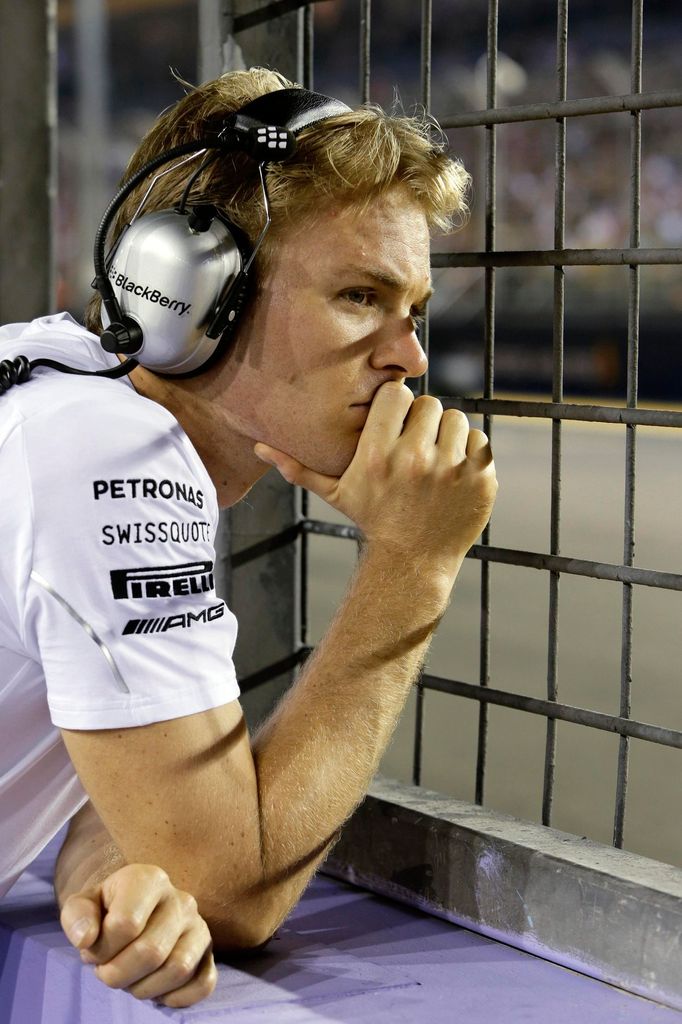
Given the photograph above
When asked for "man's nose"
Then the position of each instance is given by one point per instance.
(400, 350)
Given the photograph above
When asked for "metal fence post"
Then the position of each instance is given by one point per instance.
(257, 576)
(28, 119)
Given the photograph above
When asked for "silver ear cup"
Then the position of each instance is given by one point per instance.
(170, 279)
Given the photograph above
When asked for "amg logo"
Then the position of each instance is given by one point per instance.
(182, 621)
(165, 581)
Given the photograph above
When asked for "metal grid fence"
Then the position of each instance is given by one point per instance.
(629, 416)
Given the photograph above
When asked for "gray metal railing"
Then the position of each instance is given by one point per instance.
(629, 415)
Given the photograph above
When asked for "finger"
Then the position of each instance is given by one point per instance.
(200, 987)
(149, 951)
(190, 964)
(81, 919)
(387, 413)
(295, 472)
(453, 436)
(129, 896)
(423, 420)
(478, 448)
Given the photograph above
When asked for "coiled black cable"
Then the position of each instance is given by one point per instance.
(14, 371)
(19, 370)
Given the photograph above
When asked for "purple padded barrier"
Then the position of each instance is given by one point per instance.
(343, 956)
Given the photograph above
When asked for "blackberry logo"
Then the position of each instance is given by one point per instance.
(184, 620)
(165, 581)
(123, 282)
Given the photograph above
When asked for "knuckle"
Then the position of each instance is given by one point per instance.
(181, 966)
(397, 392)
(188, 903)
(397, 386)
(152, 953)
(457, 417)
(417, 461)
(207, 983)
(123, 928)
(148, 874)
(158, 875)
(429, 402)
(110, 976)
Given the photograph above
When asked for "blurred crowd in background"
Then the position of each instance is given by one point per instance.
(147, 43)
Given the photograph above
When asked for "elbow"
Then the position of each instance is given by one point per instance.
(240, 937)
(242, 928)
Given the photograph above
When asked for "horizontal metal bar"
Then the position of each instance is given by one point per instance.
(503, 698)
(558, 258)
(272, 671)
(268, 13)
(532, 560)
(265, 546)
(331, 529)
(578, 567)
(550, 709)
(565, 108)
(288, 536)
(484, 553)
(565, 411)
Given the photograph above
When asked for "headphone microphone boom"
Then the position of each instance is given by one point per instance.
(175, 280)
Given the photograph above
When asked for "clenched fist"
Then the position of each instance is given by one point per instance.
(145, 935)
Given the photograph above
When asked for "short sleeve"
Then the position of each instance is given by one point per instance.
(121, 605)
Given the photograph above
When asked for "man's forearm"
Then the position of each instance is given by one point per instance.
(317, 753)
(88, 855)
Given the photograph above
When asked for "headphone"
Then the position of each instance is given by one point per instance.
(175, 280)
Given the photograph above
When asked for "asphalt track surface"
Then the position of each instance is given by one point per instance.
(589, 638)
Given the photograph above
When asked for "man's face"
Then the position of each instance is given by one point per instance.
(333, 321)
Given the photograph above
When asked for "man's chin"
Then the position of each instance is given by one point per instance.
(332, 463)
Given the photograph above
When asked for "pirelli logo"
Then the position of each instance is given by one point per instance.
(164, 581)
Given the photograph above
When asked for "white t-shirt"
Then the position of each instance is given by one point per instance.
(108, 611)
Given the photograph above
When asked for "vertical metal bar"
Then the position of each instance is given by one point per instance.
(306, 38)
(423, 382)
(489, 379)
(265, 592)
(305, 49)
(28, 164)
(303, 572)
(274, 43)
(426, 35)
(631, 436)
(91, 30)
(557, 396)
(215, 54)
(365, 41)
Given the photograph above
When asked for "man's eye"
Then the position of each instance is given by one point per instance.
(358, 296)
(418, 316)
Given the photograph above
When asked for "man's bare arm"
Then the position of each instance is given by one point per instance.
(243, 829)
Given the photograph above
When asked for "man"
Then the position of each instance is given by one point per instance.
(111, 625)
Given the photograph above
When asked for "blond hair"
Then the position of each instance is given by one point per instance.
(348, 159)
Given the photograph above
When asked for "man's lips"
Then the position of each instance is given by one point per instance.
(367, 401)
